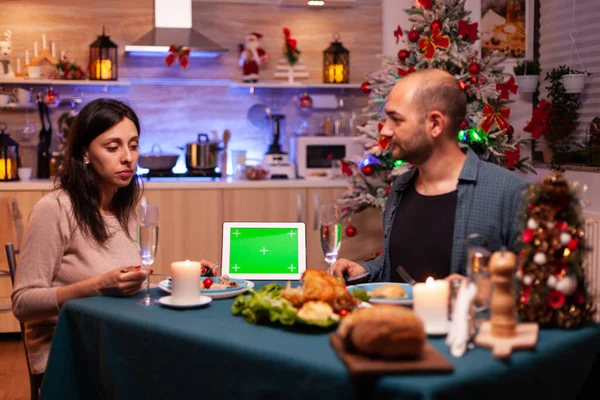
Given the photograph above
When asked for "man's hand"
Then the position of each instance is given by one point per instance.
(454, 276)
(343, 267)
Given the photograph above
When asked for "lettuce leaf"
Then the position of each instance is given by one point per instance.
(265, 305)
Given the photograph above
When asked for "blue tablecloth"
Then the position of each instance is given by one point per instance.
(110, 348)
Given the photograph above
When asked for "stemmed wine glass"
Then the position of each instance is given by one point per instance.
(331, 232)
(147, 241)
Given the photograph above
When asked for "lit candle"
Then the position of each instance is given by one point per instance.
(6, 171)
(431, 304)
(43, 40)
(335, 73)
(26, 57)
(35, 49)
(53, 49)
(18, 65)
(185, 279)
(103, 69)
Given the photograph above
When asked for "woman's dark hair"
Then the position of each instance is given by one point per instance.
(77, 178)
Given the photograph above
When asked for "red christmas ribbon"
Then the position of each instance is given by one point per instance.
(499, 116)
(435, 40)
(402, 73)
(539, 120)
(467, 30)
(178, 53)
(512, 157)
(508, 86)
(398, 33)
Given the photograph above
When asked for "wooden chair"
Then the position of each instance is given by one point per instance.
(12, 268)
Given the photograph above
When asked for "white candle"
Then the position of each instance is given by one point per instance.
(26, 57)
(431, 304)
(35, 49)
(53, 49)
(185, 279)
(43, 40)
(18, 65)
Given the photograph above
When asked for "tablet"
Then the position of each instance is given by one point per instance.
(264, 250)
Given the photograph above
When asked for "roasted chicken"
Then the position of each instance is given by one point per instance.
(320, 286)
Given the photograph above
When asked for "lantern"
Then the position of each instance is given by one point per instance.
(103, 59)
(9, 156)
(336, 62)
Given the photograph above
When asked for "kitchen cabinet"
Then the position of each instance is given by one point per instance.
(25, 203)
(190, 226)
(264, 205)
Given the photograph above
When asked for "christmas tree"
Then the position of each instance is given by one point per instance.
(441, 36)
(551, 276)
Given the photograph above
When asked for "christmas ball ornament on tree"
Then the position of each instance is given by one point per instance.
(350, 231)
(566, 285)
(474, 68)
(305, 102)
(403, 55)
(527, 236)
(551, 282)
(532, 224)
(527, 280)
(540, 259)
(510, 131)
(565, 238)
(414, 35)
(572, 244)
(436, 25)
(366, 89)
(367, 170)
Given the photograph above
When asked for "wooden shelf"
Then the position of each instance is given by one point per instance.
(88, 84)
(296, 85)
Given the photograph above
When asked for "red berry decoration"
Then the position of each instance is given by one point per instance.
(367, 170)
(403, 55)
(366, 89)
(350, 231)
(436, 25)
(573, 244)
(474, 68)
(414, 35)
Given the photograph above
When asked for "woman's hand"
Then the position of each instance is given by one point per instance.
(208, 265)
(124, 281)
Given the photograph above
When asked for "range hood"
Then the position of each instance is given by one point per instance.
(173, 26)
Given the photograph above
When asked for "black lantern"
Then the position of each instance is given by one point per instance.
(336, 62)
(103, 59)
(9, 156)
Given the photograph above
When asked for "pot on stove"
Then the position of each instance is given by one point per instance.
(202, 154)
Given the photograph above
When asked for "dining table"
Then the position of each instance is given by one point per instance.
(111, 348)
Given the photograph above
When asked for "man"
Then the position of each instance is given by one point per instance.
(432, 208)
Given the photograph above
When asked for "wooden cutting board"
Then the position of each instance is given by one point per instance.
(358, 365)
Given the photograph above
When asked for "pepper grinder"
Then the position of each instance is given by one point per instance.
(504, 309)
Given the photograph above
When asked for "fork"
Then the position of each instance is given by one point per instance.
(405, 275)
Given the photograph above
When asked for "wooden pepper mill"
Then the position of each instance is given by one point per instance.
(503, 334)
(503, 309)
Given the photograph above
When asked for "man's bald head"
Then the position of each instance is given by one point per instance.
(436, 90)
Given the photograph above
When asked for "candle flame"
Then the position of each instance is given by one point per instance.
(187, 263)
(430, 282)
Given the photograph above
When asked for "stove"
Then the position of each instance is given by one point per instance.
(191, 173)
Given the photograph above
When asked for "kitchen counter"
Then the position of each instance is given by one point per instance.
(195, 183)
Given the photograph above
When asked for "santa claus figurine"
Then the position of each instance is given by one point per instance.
(251, 56)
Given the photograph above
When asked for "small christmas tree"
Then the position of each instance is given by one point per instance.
(441, 36)
(552, 282)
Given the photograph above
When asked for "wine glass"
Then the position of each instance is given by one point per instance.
(147, 241)
(330, 228)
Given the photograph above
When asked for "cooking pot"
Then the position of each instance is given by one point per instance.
(202, 154)
(157, 160)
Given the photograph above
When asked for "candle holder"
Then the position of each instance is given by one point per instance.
(103, 59)
(9, 156)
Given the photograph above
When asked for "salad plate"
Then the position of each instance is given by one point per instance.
(243, 286)
(369, 289)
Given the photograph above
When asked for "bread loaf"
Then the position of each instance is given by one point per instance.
(384, 331)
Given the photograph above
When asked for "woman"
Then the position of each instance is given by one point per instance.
(80, 241)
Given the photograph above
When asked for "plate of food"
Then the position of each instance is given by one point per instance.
(383, 293)
(321, 300)
(221, 287)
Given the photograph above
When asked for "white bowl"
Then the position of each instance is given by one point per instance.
(24, 173)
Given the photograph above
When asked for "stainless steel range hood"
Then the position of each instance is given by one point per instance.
(173, 26)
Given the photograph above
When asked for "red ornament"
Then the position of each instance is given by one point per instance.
(463, 85)
(398, 33)
(305, 102)
(555, 299)
(464, 125)
(510, 131)
(506, 87)
(52, 98)
(350, 231)
(424, 4)
(525, 295)
(573, 244)
(403, 55)
(387, 190)
(512, 157)
(579, 298)
(466, 30)
(414, 35)
(527, 235)
(402, 73)
(474, 68)
(366, 89)
(436, 25)
(367, 170)
(383, 142)
(178, 53)
(561, 226)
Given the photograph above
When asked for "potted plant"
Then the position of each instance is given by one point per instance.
(574, 81)
(527, 73)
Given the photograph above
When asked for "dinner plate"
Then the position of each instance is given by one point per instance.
(171, 302)
(216, 294)
(404, 301)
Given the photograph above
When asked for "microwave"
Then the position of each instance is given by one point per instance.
(313, 154)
